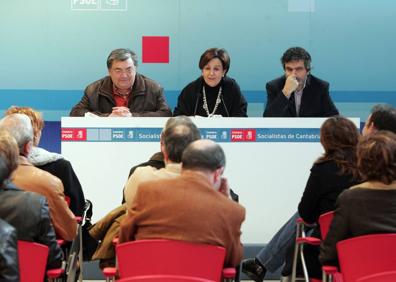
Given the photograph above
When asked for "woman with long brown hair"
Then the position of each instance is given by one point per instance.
(333, 172)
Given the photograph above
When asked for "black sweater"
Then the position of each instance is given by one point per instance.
(190, 101)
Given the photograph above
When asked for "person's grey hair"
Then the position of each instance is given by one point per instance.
(178, 133)
(8, 155)
(383, 116)
(121, 55)
(20, 127)
(203, 155)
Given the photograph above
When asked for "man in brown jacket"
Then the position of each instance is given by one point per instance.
(124, 92)
(30, 178)
(193, 207)
(177, 134)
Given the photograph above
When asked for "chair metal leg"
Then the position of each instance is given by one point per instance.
(80, 254)
(295, 257)
(327, 277)
(324, 276)
(303, 263)
(75, 259)
(299, 233)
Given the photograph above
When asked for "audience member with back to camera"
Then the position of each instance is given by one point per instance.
(27, 212)
(30, 178)
(53, 163)
(213, 218)
(176, 135)
(8, 250)
(332, 173)
(370, 207)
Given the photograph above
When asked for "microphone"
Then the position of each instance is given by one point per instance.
(196, 103)
(224, 105)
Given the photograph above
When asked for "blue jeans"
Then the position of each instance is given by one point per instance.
(273, 255)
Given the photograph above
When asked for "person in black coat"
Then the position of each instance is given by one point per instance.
(330, 175)
(213, 93)
(9, 270)
(298, 93)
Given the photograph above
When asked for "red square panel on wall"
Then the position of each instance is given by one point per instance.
(155, 49)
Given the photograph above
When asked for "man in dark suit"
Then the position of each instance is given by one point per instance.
(298, 93)
(193, 207)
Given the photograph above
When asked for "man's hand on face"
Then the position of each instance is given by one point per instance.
(224, 188)
(120, 112)
(291, 85)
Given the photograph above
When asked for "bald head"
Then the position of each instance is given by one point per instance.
(178, 133)
(20, 127)
(203, 155)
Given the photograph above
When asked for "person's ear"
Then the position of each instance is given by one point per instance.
(372, 127)
(27, 148)
(38, 138)
(218, 173)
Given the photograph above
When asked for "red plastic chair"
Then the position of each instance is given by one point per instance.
(169, 257)
(387, 276)
(366, 255)
(325, 222)
(301, 239)
(164, 278)
(32, 258)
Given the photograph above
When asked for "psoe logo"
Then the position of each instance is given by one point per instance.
(243, 135)
(74, 134)
(85, 4)
(237, 135)
(118, 135)
(99, 5)
(211, 135)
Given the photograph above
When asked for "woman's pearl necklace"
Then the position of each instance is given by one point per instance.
(205, 102)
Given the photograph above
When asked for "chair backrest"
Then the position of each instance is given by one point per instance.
(387, 276)
(325, 222)
(169, 257)
(164, 278)
(366, 255)
(32, 258)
